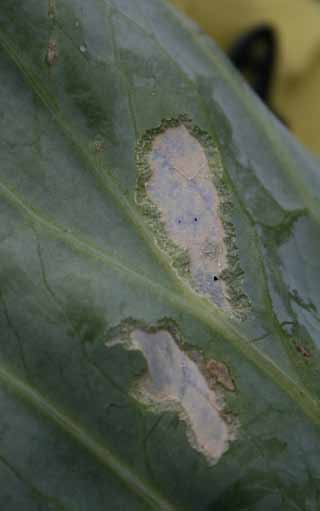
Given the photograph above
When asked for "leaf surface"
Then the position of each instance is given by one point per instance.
(83, 272)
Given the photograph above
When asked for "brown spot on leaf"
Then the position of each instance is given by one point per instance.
(220, 374)
(52, 53)
(99, 147)
(302, 350)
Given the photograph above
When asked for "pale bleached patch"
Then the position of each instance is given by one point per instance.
(181, 186)
(174, 381)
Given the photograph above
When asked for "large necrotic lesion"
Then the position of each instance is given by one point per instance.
(182, 188)
(175, 382)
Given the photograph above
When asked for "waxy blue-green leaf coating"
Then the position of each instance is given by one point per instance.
(81, 84)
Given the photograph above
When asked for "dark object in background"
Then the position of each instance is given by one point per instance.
(254, 54)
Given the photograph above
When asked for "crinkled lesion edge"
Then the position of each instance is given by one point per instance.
(121, 334)
(233, 275)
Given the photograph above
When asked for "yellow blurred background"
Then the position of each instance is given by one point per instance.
(295, 80)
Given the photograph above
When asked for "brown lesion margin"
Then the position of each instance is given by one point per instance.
(233, 275)
(121, 334)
